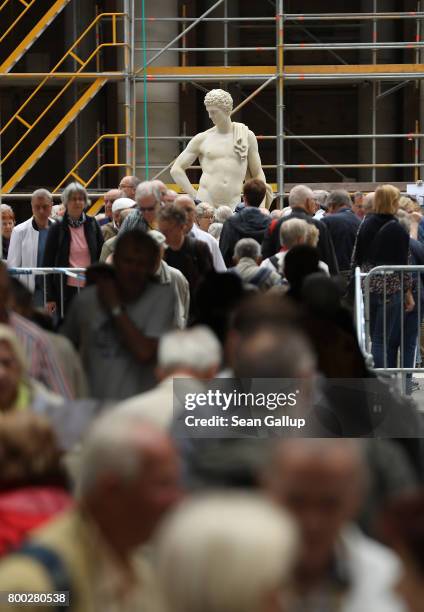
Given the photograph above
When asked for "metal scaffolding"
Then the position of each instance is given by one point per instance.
(283, 75)
(127, 28)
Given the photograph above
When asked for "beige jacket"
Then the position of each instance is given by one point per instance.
(96, 580)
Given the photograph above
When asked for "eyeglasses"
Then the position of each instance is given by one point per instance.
(148, 208)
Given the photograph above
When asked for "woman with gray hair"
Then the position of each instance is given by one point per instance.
(74, 242)
(227, 552)
(204, 215)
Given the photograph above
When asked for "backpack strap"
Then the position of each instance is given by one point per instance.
(273, 225)
(274, 261)
(55, 568)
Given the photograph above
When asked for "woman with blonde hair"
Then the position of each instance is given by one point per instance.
(381, 240)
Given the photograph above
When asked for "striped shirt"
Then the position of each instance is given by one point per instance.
(40, 357)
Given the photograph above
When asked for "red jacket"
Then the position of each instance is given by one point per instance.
(22, 510)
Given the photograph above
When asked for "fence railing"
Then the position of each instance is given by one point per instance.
(388, 332)
(75, 273)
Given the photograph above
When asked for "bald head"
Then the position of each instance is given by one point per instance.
(109, 198)
(301, 196)
(128, 185)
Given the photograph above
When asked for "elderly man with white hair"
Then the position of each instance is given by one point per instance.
(230, 552)
(129, 479)
(28, 242)
(193, 353)
(148, 197)
(247, 257)
(302, 204)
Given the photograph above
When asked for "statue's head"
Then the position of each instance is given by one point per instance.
(219, 98)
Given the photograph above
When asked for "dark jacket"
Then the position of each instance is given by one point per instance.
(58, 244)
(417, 259)
(248, 223)
(194, 260)
(343, 226)
(381, 240)
(271, 242)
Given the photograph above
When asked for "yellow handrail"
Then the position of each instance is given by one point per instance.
(67, 54)
(27, 5)
(62, 91)
(116, 163)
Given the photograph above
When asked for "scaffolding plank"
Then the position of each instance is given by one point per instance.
(271, 70)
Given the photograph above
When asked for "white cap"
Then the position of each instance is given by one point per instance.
(122, 204)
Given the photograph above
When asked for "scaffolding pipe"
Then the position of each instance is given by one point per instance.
(129, 57)
(303, 17)
(353, 46)
(303, 166)
(307, 166)
(133, 116)
(288, 77)
(229, 19)
(298, 47)
(280, 96)
(183, 33)
(226, 33)
(350, 16)
(302, 136)
(374, 97)
(211, 49)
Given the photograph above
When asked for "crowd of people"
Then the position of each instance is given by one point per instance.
(102, 498)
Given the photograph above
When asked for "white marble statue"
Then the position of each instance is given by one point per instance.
(228, 154)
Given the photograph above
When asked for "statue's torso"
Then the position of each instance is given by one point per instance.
(223, 171)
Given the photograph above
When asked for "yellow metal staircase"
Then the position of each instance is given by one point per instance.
(113, 163)
(34, 33)
(89, 93)
(55, 106)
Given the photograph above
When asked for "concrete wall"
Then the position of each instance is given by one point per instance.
(162, 98)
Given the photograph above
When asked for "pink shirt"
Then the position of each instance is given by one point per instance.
(79, 255)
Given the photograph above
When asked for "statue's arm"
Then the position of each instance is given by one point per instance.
(184, 161)
(253, 158)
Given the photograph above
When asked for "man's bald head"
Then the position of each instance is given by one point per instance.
(109, 198)
(302, 196)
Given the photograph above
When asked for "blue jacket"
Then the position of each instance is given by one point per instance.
(343, 227)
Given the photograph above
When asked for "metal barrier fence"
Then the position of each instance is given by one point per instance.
(75, 273)
(397, 327)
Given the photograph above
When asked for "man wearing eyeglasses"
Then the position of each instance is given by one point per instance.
(148, 198)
